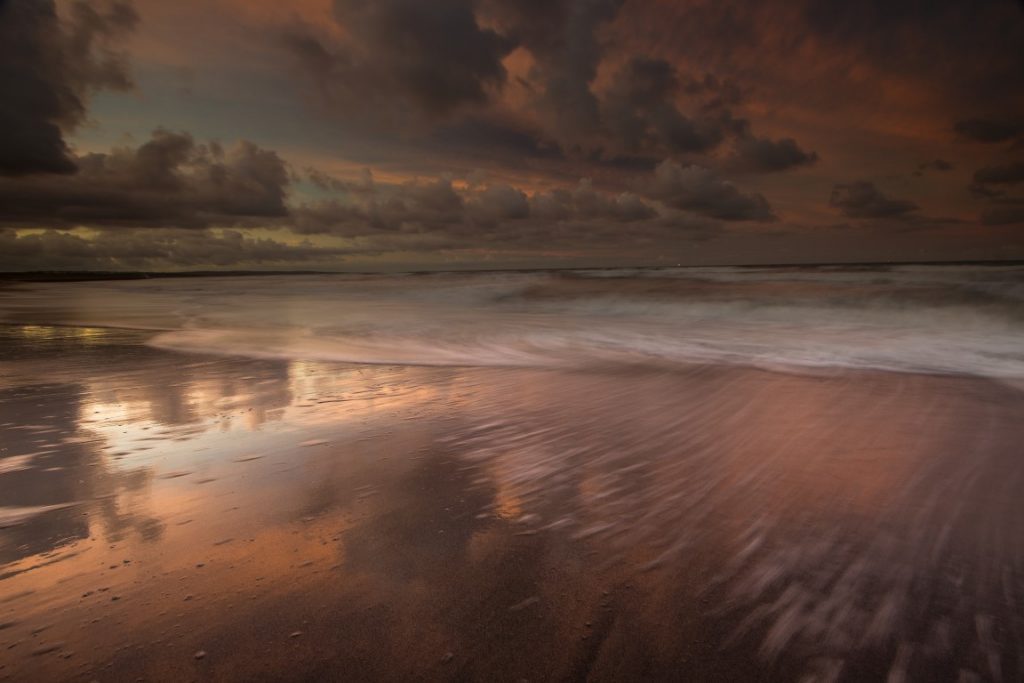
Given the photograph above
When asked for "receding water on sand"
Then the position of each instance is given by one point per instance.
(174, 514)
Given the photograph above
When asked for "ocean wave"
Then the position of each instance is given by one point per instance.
(941, 319)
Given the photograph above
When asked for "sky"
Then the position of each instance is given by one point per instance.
(405, 135)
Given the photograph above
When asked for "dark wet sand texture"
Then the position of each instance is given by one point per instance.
(181, 517)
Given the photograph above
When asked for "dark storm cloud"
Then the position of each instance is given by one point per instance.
(640, 113)
(703, 192)
(149, 249)
(438, 53)
(48, 69)
(168, 181)
(433, 72)
(562, 36)
(989, 130)
(767, 156)
(402, 58)
(409, 63)
(861, 199)
(1006, 174)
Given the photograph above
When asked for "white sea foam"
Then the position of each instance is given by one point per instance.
(941, 319)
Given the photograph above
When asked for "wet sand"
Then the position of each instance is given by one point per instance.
(171, 516)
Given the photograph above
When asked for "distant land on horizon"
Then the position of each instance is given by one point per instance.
(83, 276)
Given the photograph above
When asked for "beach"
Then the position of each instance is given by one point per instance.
(206, 501)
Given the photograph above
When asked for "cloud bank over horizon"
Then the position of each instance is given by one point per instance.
(344, 135)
